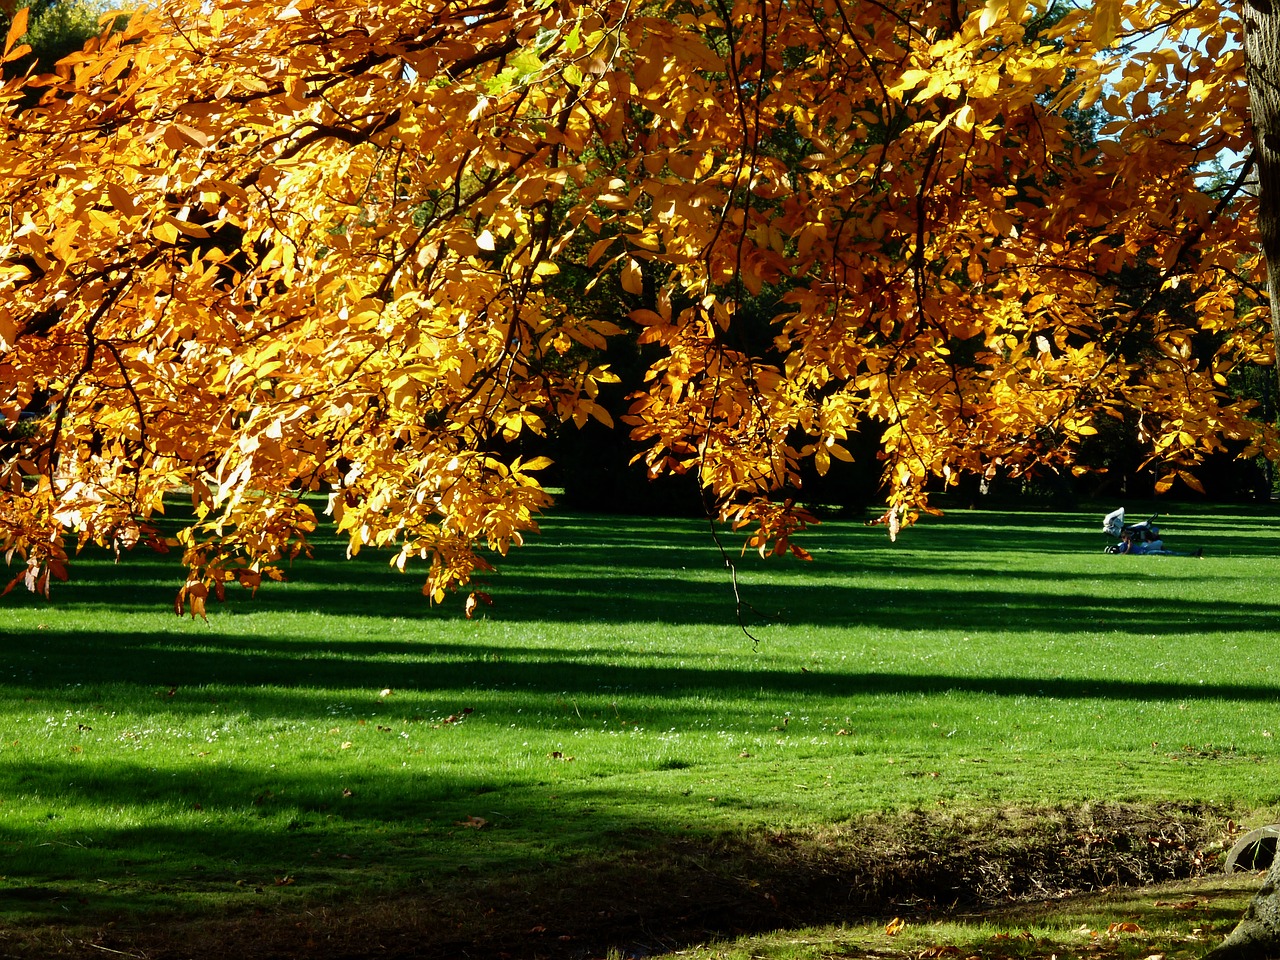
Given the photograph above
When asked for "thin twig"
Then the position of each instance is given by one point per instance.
(121, 953)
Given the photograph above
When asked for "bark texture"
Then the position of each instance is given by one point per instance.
(1257, 936)
(1262, 51)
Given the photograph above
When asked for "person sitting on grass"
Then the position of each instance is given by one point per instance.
(1139, 539)
(1156, 547)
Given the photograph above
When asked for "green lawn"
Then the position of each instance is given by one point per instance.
(608, 701)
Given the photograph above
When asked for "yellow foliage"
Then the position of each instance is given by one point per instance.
(250, 252)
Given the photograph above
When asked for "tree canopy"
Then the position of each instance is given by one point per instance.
(250, 251)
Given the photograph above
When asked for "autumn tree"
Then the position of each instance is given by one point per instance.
(251, 251)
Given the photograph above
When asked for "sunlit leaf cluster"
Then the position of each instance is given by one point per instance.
(251, 251)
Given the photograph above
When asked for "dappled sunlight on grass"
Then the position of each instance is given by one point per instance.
(1167, 921)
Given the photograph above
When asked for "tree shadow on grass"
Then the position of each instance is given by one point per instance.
(1142, 596)
(586, 556)
(955, 574)
(296, 677)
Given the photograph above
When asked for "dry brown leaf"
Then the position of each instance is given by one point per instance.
(931, 953)
(1124, 926)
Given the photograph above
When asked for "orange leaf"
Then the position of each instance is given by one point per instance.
(474, 600)
(1126, 926)
(197, 593)
(17, 30)
(1191, 481)
(122, 200)
(179, 135)
(597, 250)
(632, 278)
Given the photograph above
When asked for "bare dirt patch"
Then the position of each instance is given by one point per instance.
(666, 892)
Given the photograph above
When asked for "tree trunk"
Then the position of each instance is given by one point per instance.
(1262, 53)
(1257, 936)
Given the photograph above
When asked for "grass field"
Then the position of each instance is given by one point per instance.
(335, 738)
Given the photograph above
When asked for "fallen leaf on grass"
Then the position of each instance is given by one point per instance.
(285, 881)
(474, 823)
(895, 926)
(1126, 926)
(930, 953)
(1184, 905)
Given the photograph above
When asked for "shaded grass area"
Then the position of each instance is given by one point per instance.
(1172, 920)
(610, 738)
(680, 892)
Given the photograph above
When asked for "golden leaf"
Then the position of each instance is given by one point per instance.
(17, 30)
(122, 200)
(992, 12)
(632, 278)
(1106, 21)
